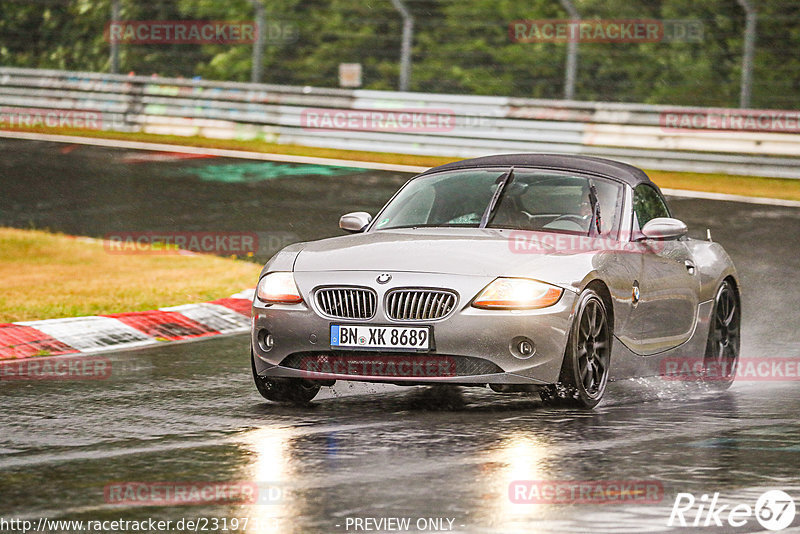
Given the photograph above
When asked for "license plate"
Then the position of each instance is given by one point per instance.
(380, 337)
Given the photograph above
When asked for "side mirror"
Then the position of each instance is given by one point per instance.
(664, 228)
(355, 222)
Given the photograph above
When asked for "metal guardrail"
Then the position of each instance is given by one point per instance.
(473, 125)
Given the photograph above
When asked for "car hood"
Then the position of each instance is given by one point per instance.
(463, 251)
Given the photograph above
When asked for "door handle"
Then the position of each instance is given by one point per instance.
(690, 266)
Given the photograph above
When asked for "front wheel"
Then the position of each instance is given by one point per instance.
(292, 390)
(584, 373)
(724, 339)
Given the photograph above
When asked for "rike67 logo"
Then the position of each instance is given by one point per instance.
(774, 510)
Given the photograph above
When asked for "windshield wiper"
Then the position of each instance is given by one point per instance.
(595, 210)
(502, 181)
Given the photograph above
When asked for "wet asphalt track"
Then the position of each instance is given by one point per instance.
(189, 413)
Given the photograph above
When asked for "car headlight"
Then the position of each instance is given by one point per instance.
(517, 293)
(278, 287)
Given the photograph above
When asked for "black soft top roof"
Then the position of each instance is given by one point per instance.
(606, 167)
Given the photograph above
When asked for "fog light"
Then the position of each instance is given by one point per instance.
(265, 340)
(522, 347)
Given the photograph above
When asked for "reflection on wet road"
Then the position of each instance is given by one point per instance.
(190, 413)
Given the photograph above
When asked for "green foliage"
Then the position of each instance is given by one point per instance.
(460, 46)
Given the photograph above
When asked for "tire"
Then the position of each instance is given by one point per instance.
(291, 390)
(587, 359)
(724, 338)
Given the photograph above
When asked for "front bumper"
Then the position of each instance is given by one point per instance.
(477, 346)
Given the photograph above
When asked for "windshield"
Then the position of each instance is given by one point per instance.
(545, 201)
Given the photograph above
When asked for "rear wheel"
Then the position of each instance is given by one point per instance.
(584, 373)
(293, 390)
(722, 348)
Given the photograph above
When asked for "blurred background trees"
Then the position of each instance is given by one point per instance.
(459, 46)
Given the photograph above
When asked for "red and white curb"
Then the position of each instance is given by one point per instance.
(102, 333)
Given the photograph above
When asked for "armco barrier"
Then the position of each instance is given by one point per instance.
(468, 125)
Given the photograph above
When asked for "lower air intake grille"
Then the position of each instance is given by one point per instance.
(390, 364)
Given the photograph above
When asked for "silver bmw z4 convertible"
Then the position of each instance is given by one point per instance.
(545, 273)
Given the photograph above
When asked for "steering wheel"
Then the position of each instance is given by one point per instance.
(577, 220)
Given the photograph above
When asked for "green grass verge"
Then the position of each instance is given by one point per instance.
(716, 183)
(751, 186)
(48, 276)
